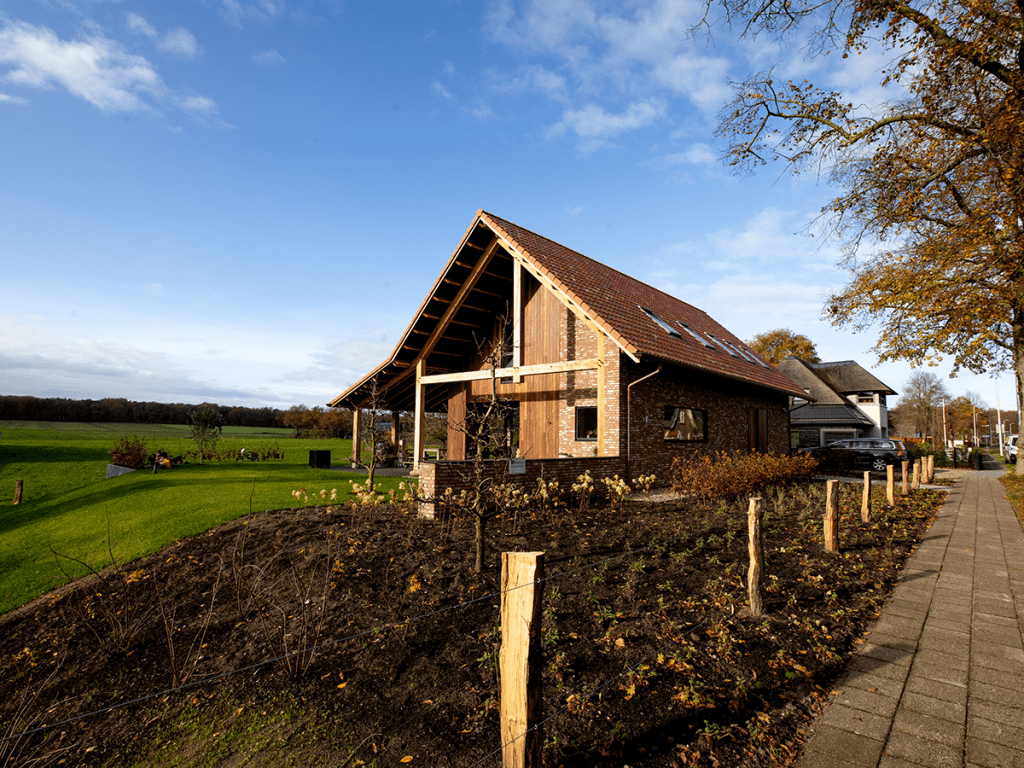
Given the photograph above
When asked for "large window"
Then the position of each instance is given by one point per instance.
(686, 425)
(586, 422)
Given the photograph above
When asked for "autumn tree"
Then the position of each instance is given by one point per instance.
(932, 180)
(923, 394)
(775, 346)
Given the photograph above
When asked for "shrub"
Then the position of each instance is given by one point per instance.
(129, 452)
(721, 476)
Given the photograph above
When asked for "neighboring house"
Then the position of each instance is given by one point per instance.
(599, 371)
(841, 400)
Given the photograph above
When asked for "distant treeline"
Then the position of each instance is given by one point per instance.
(326, 421)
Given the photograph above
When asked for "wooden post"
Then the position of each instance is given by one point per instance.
(931, 468)
(19, 487)
(756, 549)
(906, 477)
(417, 429)
(865, 502)
(917, 475)
(890, 486)
(395, 432)
(520, 661)
(357, 431)
(832, 516)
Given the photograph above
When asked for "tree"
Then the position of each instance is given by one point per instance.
(205, 427)
(932, 180)
(775, 346)
(923, 392)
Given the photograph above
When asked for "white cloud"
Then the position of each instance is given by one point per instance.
(236, 12)
(593, 122)
(93, 68)
(153, 289)
(482, 111)
(268, 58)
(696, 154)
(440, 90)
(575, 210)
(140, 26)
(180, 42)
(5, 97)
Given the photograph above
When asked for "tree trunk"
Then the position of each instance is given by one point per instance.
(1018, 377)
(481, 522)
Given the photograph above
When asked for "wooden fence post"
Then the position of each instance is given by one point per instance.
(520, 659)
(890, 487)
(865, 502)
(906, 477)
(931, 468)
(917, 475)
(19, 487)
(756, 549)
(832, 516)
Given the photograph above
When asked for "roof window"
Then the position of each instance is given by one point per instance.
(720, 343)
(693, 333)
(668, 328)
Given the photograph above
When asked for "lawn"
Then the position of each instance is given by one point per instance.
(69, 507)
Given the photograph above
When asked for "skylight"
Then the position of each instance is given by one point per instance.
(690, 331)
(668, 328)
(722, 345)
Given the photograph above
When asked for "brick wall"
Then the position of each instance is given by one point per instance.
(725, 400)
(435, 477)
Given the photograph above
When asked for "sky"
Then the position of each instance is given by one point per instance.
(246, 201)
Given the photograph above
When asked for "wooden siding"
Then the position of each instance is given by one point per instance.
(538, 395)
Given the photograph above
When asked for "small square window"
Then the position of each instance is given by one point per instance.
(686, 425)
(586, 422)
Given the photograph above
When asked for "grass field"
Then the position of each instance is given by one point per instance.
(68, 506)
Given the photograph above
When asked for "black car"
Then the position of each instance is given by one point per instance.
(868, 452)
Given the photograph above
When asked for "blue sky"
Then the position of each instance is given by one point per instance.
(246, 202)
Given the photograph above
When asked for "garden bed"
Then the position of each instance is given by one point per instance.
(650, 656)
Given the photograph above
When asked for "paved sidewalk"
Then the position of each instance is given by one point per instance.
(940, 680)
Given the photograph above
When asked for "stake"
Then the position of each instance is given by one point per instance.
(756, 548)
(520, 659)
(832, 516)
(890, 488)
(931, 468)
(906, 477)
(19, 487)
(917, 475)
(865, 502)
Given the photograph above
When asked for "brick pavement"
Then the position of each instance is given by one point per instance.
(940, 679)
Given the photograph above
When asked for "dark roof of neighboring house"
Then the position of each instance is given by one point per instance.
(608, 298)
(848, 377)
(828, 415)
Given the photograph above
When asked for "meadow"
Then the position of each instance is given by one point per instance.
(69, 508)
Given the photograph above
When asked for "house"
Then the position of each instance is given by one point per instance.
(596, 369)
(848, 401)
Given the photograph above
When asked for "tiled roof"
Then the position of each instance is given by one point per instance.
(828, 414)
(613, 301)
(609, 298)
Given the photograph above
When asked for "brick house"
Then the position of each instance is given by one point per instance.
(598, 370)
(841, 400)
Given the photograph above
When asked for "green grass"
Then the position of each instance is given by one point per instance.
(68, 504)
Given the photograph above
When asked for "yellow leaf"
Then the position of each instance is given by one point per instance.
(406, 759)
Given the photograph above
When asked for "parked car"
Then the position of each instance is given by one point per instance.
(869, 452)
(1010, 448)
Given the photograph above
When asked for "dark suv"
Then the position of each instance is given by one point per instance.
(873, 453)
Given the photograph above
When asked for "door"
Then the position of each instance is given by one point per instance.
(757, 430)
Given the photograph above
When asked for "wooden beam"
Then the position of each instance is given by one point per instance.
(522, 370)
(601, 412)
(517, 318)
(357, 428)
(464, 291)
(421, 396)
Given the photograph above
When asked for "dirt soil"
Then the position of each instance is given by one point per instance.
(390, 640)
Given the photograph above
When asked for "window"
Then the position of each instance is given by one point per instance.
(668, 328)
(865, 397)
(722, 345)
(701, 339)
(586, 422)
(686, 425)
